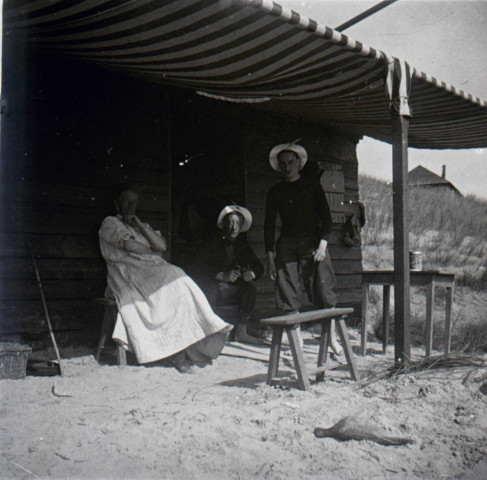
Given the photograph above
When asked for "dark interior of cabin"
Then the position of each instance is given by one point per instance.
(207, 174)
(71, 131)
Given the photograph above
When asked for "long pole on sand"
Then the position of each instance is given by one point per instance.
(51, 332)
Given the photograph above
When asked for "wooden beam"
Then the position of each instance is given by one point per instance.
(402, 306)
(363, 15)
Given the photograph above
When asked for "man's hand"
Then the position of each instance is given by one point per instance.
(271, 265)
(231, 276)
(320, 253)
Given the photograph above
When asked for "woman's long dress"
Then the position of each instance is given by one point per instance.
(161, 311)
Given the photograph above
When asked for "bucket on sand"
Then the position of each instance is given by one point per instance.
(415, 260)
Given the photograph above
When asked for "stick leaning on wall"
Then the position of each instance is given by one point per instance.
(51, 332)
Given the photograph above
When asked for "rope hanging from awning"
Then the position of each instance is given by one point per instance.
(398, 85)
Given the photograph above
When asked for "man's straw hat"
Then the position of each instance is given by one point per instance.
(291, 147)
(247, 216)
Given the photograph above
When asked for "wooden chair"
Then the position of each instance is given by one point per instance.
(290, 324)
(109, 318)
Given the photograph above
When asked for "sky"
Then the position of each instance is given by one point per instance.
(444, 38)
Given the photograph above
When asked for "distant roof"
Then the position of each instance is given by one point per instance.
(250, 51)
(422, 177)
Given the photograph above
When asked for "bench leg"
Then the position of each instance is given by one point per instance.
(294, 343)
(448, 313)
(342, 330)
(386, 307)
(365, 301)
(324, 344)
(274, 354)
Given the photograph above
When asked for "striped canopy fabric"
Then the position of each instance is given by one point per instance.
(256, 52)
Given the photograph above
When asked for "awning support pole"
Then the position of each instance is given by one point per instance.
(363, 15)
(402, 308)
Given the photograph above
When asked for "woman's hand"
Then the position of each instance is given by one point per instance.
(137, 222)
(157, 242)
(133, 220)
(271, 265)
(127, 219)
(320, 253)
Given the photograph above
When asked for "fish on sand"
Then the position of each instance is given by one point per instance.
(350, 428)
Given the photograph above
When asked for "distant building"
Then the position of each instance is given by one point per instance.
(421, 177)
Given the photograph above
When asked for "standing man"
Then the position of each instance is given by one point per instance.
(228, 269)
(300, 259)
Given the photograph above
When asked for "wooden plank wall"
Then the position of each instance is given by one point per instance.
(323, 146)
(70, 134)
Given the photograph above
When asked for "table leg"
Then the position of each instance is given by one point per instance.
(274, 354)
(430, 294)
(293, 335)
(386, 306)
(324, 344)
(342, 330)
(448, 315)
(365, 302)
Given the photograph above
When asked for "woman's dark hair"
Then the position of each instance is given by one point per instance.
(124, 187)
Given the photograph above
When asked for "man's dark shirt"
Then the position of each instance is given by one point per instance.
(302, 207)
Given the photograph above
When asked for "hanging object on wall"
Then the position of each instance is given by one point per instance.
(332, 181)
(353, 224)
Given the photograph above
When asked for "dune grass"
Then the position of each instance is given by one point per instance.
(451, 232)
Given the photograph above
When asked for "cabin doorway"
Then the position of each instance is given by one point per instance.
(207, 174)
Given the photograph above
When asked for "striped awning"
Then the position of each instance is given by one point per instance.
(251, 51)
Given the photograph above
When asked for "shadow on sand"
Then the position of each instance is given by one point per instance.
(369, 351)
(286, 380)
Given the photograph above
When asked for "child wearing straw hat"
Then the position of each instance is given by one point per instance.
(228, 269)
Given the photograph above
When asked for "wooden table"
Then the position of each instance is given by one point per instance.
(291, 324)
(429, 278)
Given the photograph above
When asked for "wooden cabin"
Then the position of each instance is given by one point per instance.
(188, 98)
(421, 177)
(72, 131)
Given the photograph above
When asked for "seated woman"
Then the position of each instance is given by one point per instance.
(161, 312)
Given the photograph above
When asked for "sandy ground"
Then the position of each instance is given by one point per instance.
(224, 422)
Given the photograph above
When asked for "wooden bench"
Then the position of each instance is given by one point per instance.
(109, 318)
(290, 324)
